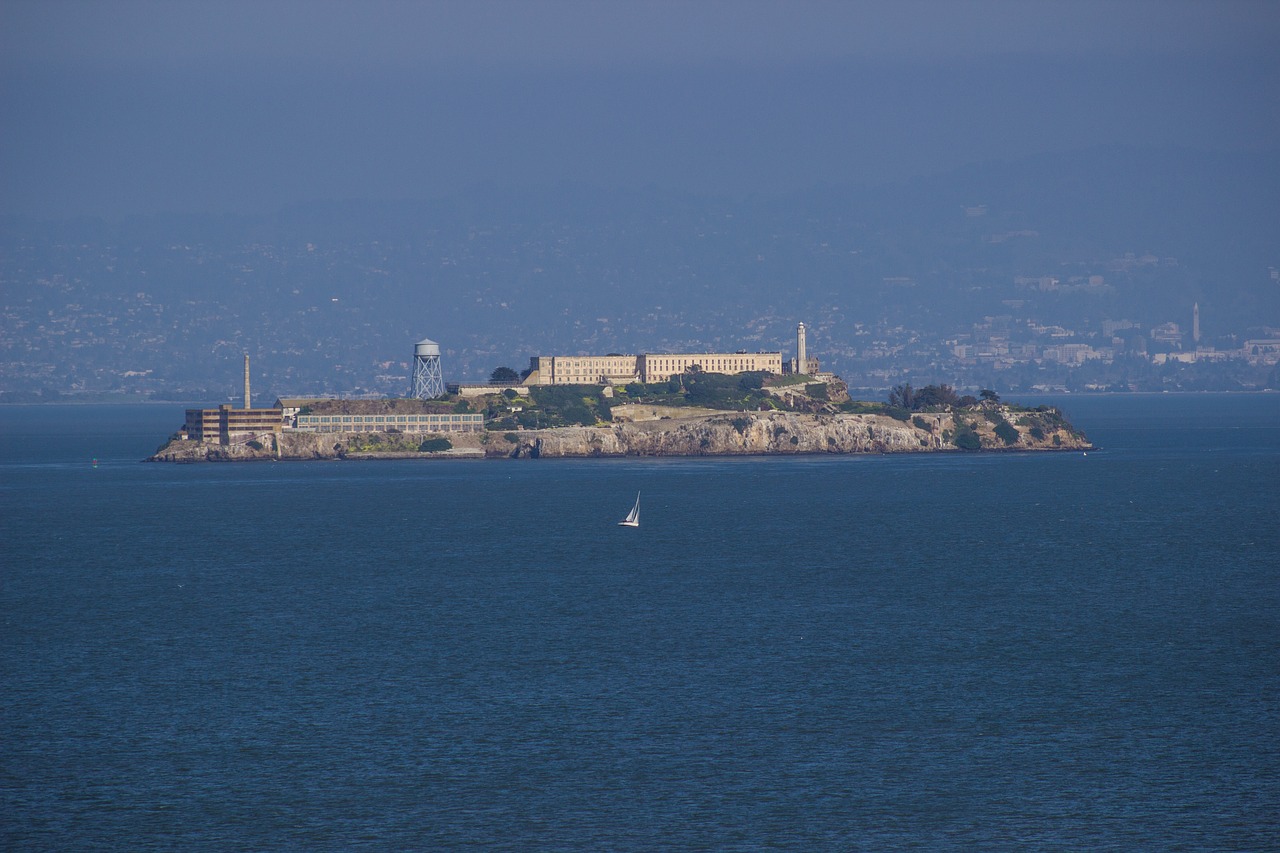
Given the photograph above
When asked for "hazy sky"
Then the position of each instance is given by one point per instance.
(118, 107)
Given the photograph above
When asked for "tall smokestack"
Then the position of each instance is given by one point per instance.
(246, 380)
(802, 361)
(1195, 323)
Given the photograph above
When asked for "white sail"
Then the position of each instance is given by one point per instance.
(633, 517)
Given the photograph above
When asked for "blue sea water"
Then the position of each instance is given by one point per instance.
(988, 651)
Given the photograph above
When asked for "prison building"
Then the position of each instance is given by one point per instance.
(391, 423)
(583, 370)
(659, 367)
(646, 367)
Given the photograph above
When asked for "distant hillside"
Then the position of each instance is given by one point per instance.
(330, 297)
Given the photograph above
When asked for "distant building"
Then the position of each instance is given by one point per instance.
(1262, 350)
(1072, 354)
(1169, 334)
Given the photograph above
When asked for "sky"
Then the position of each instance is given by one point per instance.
(115, 108)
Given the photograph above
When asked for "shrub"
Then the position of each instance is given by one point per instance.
(898, 413)
(967, 440)
(921, 423)
(713, 390)
(435, 445)
(1037, 433)
(511, 437)
(740, 425)
(1007, 433)
(254, 443)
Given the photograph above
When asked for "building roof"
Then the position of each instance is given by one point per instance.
(297, 402)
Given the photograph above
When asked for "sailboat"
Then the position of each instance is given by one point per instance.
(633, 517)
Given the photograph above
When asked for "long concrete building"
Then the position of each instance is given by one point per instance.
(645, 367)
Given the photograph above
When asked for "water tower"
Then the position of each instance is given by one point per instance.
(428, 379)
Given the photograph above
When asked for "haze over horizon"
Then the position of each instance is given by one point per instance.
(136, 107)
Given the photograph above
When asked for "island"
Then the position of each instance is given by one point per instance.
(694, 414)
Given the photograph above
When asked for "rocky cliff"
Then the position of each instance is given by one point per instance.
(774, 433)
(721, 434)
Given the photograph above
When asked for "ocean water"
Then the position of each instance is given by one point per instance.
(989, 651)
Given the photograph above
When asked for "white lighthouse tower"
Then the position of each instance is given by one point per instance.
(802, 359)
(428, 379)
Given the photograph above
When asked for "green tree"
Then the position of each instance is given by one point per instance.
(503, 376)
(935, 396)
(1007, 433)
(902, 397)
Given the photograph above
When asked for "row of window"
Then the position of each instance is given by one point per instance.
(471, 426)
(388, 419)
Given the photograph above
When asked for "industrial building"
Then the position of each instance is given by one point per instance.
(226, 425)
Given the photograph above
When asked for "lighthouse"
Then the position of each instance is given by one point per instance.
(802, 363)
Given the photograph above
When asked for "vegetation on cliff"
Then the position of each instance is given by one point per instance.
(549, 406)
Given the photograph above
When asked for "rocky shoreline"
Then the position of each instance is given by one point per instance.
(719, 434)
